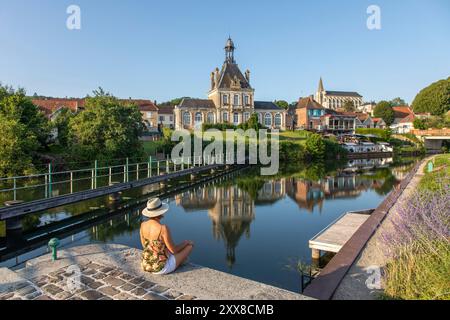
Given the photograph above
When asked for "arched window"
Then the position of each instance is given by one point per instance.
(268, 120)
(187, 118)
(278, 120)
(225, 117)
(210, 117)
(198, 117)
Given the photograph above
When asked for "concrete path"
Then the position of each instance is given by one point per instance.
(113, 272)
(353, 286)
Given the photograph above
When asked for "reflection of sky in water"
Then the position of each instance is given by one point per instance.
(253, 238)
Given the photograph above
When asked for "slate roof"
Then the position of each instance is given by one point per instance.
(228, 73)
(197, 103)
(343, 94)
(267, 105)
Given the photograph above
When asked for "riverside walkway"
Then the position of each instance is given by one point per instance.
(105, 272)
(345, 276)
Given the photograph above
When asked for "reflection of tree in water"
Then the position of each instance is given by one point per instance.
(121, 225)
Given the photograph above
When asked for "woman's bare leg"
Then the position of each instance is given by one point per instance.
(181, 256)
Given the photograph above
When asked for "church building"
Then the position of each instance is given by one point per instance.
(230, 100)
(336, 99)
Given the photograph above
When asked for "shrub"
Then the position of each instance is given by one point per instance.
(315, 146)
(418, 248)
(383, 134)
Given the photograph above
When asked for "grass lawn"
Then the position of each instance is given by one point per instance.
(294, 136)
(150, 147)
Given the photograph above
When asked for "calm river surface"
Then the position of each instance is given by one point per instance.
(248, 225)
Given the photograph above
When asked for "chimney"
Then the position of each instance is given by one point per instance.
(247, 75)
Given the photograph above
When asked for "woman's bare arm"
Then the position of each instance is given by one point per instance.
(169, 241)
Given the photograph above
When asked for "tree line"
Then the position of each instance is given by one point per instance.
(106, 129)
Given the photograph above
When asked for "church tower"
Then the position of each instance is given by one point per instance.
(320, 92)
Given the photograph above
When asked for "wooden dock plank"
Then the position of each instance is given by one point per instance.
(333, 238)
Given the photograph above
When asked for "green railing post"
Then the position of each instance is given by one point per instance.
(157, 164)
(15, 191)
(50, 180)
(137, 171)
(149, 166)
(95, 173)
(71, 182)
(167, 167)
(128, 178)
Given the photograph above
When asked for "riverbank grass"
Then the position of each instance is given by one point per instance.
(419, 244)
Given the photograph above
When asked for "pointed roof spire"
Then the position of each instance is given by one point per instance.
(321, 85)
(229, 51)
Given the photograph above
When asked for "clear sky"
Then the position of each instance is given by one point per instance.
(161, 50)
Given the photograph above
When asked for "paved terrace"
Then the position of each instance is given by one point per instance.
(113, 272)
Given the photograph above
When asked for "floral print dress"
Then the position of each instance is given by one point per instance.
(154, 256)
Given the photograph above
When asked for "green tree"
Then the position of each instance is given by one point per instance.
(434, 99)
(349, 106)
(419, 124)
(398, 102)
(384, 110)
(14, 104)
(106, 129)
(315, 146)
(282, 104)
(17, 143)
(61, 123)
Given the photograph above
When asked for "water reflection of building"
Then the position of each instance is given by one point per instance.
(231, 211)
(232, 208)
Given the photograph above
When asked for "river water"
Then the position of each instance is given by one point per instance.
(244, 224)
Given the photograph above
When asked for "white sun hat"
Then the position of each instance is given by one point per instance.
(155, 208)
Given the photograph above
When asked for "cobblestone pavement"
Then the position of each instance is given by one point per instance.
(90, 281)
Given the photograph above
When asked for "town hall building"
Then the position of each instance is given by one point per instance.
(230, 100)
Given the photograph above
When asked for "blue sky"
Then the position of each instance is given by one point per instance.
(165, 49)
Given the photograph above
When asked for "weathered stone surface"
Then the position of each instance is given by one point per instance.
(126, 276)
(127, 287)
(92, 295)
(99, 276)
(115, 273)
(115, 282)
(139, 292)
(153, 296)
(137, 280)
(64, 295)
(109, 291)
(186, 297)
(6, 296)
(122, 296)
(95, 285)
(159, 289)
(21, 285)
(43, 297)
(147, 284)
(52, 289)
(172, 294)
(26, 290)
(106, 269)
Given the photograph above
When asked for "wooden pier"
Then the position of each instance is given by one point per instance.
(336, 235)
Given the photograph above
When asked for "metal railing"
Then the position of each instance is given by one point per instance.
(102, 175)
